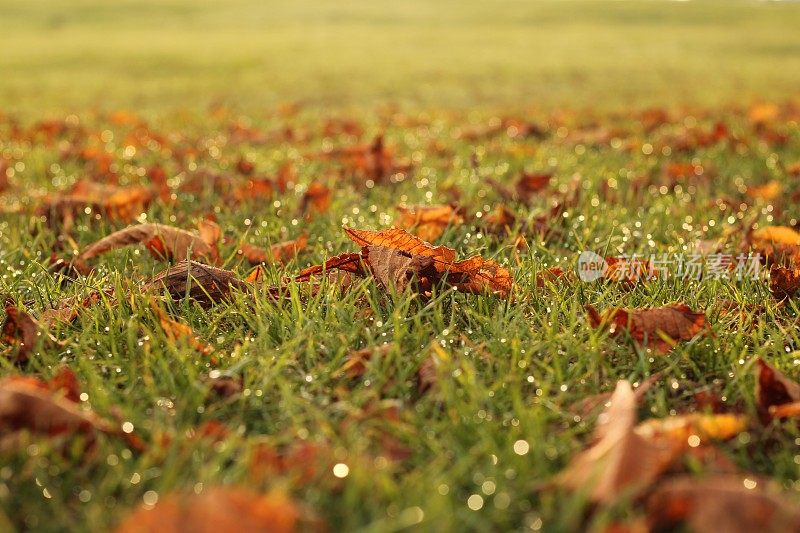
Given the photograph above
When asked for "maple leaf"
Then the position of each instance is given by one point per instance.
(722, 502)
(216, 509)
(161, 241)
(663, 327)
(428, 222)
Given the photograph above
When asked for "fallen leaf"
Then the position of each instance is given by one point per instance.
(474, 275)
(19, 329)
(203, 283)
(277, 253)
(768, 191)
(621, 462)
(773, 389)
(316, 198)
(428, 222)
(704, 427)
(783, 282)
(395, 269)
(663, 327)
(178, 331)
(729, 503)
(163, 242)
(50, 408)
(356, 361)
(216, 509)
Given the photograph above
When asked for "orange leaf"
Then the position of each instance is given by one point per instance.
(662, 326)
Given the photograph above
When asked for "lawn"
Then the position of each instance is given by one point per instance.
(448, 402)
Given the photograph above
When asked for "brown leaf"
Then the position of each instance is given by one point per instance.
(704, 427)
(316, 198)
(178, 331)
(161, 241)
(117, 203)
(778, 244)
(474, 275)
(20, 329)
(356, 361)
(428, 222)
(773, 389)
(783, 282)
(203, 283)
(663, 327)
(216, 509)
(729, 503)
(346, 262)
(621, 462)
(50, 408)
(395, 269)
(277, 253)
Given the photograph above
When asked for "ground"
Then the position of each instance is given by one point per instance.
(657, 121)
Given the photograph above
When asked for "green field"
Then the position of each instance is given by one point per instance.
(157, 55)
(206, 85)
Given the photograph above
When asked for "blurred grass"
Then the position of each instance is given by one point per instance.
(160, 54)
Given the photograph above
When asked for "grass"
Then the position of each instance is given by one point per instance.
(509, 370)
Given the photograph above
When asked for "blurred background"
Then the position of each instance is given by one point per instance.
(149, 55)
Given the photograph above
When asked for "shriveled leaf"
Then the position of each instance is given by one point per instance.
(50, 408)
(161, 241)
(773, 389)
(395, 269)
(178, 331)
(475, 274)
(21, 330)
(621, 462)
(428, 222)
(663, 327)
(730, 503)
(784, 282)
(203, 283)
(277, 253)
(216, 509)
(346, 262)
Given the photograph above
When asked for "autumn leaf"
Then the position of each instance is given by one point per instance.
(621, 461)
(50, 408)
(216, 509)
(178, 331)
(783, 282)
(663, 327)
(277, 253)
(778, 244)
(773, 390)
(474, 275)
(768, 191)
(395, 269)
(20, 329)
(317, 198)
(428, 222)
(163, 242)
(730, 503)
(356, 361)
(203, 283)
(702, 427)
(526, 188)
(117, 203)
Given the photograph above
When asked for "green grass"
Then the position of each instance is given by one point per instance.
(157, 55)
(509, 369)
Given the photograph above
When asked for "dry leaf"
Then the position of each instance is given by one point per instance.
(178, 331)
(475, 274)
(216, 510)
(356, 361)
(621, 462)
(50, 408)
(783, 282)
(163, 242)
(721, 503)
(428, 222)
(277, 253)
(20, 329)
(203, 283)
(663, 327)
(395, 269)
(695, 425)
(316, 198)
(773, 389)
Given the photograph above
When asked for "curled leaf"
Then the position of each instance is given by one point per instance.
(160, 240)
(663, 327)
(203, 283)
(428, 222)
